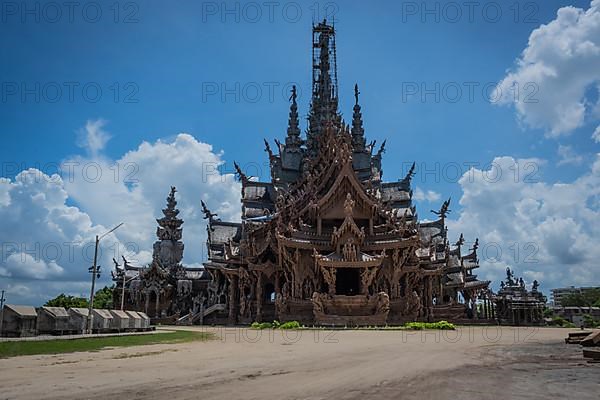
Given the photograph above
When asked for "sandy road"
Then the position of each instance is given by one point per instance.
(477, 363)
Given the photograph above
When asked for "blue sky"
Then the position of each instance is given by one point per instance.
(163, 58)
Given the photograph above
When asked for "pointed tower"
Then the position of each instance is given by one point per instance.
(358, 132)
(293, 140)
(324, 102)
(361, 156)
(168, 249)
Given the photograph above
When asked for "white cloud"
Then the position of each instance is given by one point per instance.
(429, 195)
(547, 231)
(49, 222)
(560, 62)
(596, 135)
(93, 138)
(133, 189)
(568, 156)
(25, 265)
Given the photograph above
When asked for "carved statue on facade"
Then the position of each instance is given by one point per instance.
(383, 303)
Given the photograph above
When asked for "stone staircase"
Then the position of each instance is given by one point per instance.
(191, 319)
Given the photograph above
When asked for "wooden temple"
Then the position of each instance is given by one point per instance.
(326, 241)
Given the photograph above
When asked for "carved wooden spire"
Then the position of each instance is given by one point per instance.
(358, 132)
(168, 250)
(293, 141)
(169, 225)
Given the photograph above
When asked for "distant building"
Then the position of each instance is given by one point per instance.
(577, 315)
(515, 305)
(559, 294)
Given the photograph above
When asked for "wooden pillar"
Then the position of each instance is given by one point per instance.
(429, 296)
(156, 313)
(259, 296)
(531, 315)
(232, 299)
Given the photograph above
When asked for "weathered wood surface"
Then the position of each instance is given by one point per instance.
(591, 353)
(593, 339)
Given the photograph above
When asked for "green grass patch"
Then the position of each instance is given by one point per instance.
(59, 346)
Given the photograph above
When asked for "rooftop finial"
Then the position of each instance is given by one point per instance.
(294, 95)
(242, 177)
(461, 240)
(207, 214)
(444, 210)
(358, 132)
(410, 174)
(293, 141)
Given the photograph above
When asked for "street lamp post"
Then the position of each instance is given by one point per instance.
(94, 272)
(1, 311)
(123, 289)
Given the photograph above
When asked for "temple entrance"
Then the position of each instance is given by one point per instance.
(269, 296)
(347, 281)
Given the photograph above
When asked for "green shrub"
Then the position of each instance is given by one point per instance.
(290, 325)
(443, 325)
(590, 322)
(561, 322)
(261, 325)
(276, 325)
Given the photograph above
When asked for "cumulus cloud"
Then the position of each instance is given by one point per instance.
(568, 156)
(133, 189)
(560, 64)
(50, 221)
(429, 195)
(43, 238)
(549, 232)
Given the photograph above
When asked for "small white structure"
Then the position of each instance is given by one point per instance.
(120, 321)
(78, 319)
(145, 320)
(53, 321)
(19, 321)
(102, 321)
(135, 320)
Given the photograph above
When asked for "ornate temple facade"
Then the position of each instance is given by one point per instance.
(165, 288)
(326, 240)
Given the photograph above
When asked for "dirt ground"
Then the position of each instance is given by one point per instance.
(470, 363)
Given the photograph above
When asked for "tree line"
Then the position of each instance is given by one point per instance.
(103, 299)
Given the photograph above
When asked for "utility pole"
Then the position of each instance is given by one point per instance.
(123, 290)
(1, 311)
(96, 274)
